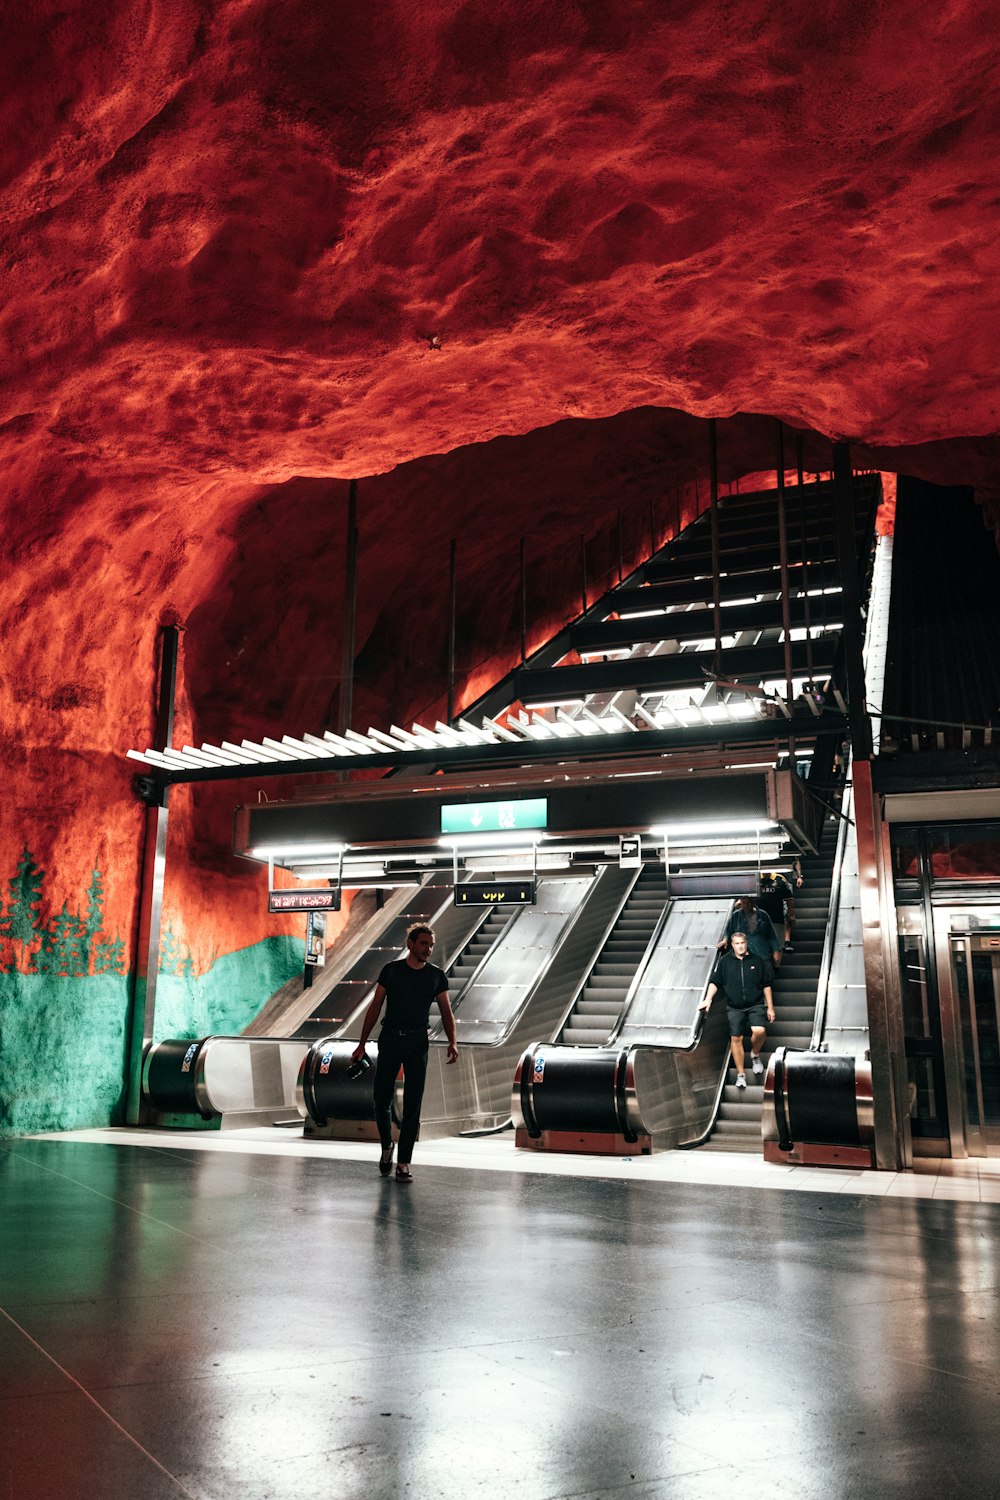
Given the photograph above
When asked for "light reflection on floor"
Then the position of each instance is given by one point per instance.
(976, 1180)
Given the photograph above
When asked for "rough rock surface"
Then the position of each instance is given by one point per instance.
(505, 256)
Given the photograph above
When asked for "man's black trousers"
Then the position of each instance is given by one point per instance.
(406, 1050)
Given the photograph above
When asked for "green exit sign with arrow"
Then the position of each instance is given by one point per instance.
(494, 817)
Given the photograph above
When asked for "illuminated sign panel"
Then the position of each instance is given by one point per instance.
(494, 817)
(301, 900)
(496, 893)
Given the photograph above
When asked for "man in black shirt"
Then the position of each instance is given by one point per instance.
(747, 980)
(411, 985)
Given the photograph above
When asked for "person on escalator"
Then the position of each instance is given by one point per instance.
(762, 940)
(777, 897)
(746, 979)
(411, 985)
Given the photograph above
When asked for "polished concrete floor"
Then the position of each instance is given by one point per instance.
(261, 1318)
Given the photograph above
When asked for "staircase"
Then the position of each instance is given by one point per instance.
(737, 1125)
(599, 1005)
(471, 956)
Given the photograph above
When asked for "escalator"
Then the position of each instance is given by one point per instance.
(523, 987)
(465, 964)
(737, 1124)
(597, 1010)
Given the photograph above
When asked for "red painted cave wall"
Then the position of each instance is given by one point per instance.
(498, 260)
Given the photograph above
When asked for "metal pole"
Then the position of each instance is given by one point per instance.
(350, 610)
(652, 527)
(786, 622)
(170, 651)
(583, 572)
(141, 1017)
(886, 1047)
(716, 582)
(452, 611)
(621, 550)
(524, 606)
(850, 595)
(806, 606)
(822, 541)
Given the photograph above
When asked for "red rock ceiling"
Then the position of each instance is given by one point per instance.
(252, 249)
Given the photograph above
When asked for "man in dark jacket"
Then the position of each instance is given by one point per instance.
(746, 980)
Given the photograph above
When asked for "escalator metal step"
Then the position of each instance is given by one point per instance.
(586, 1036)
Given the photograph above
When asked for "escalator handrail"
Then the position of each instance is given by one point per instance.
(599, 947)
(698, 1024)
(781, 1120)
(640, 972)
(833, 911)
(846, 807)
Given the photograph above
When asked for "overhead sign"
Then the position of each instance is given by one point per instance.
(303, 900)
(496, 893)
(630, 851)
(494, 817)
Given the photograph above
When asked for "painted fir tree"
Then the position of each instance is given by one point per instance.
(23, 920)
(109, 956)
(62, 946)
(94, 917)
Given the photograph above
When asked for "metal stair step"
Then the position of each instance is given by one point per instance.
(587, 1007)
(585, 1036)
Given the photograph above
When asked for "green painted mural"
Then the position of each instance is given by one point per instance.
(64, 1000)
(233, 991)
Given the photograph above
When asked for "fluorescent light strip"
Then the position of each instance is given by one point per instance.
(290, 851)
(478, 843)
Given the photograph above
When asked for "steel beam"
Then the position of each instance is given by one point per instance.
(346, 705)
(141, 1016)
(885, 1021)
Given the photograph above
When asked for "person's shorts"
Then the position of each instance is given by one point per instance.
(743, 1018)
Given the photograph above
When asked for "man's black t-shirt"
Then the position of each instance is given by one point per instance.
(410, 993)
(743, 979)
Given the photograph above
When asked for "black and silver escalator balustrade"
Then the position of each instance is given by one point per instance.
(238, 1080)
(578, 1099)
(335, 1096)
(818, 1110)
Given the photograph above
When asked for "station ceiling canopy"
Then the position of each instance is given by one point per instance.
(368, 830)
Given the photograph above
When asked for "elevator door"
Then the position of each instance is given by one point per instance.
(975, 959)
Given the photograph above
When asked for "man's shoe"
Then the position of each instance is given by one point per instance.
(385, 1162)
(756, 1064)
(741, 1080)
(788, 948)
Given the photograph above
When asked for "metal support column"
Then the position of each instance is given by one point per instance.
(350, 611)
(141, 1015)
(786, 618)
(885, 1019)
(853, 628)
(452, 633)
(524, 604)
(713, 501)
(885, 1025)
(804, 555)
